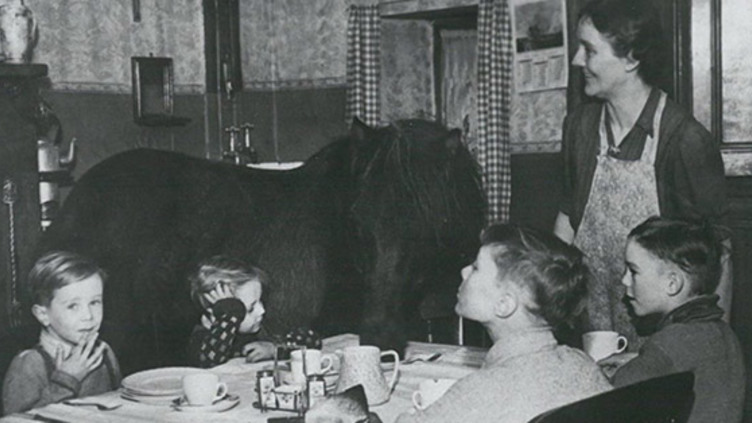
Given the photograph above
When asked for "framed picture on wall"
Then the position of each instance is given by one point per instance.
(152, 80)
(540, 49)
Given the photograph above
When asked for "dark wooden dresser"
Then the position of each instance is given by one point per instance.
(19, 210)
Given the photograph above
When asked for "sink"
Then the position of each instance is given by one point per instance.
(275, 165)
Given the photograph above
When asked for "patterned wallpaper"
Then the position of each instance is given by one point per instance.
(285, 44)
(87, 44)
(293, 42)
(406, 69)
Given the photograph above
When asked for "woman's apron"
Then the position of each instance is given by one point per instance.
(622, 195)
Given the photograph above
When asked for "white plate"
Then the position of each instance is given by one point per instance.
(164, 400)
(224, 404)
(163, 381)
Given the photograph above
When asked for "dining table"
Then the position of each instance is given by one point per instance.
(421, 361)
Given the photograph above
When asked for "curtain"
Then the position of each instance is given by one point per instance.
(494, 99)
(363, 64)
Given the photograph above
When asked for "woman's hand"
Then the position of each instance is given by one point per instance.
(611, 364)
(257, 351)
(220, 292)
(82, 359)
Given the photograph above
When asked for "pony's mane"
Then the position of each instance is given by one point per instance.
(424, 167)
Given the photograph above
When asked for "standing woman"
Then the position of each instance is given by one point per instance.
(632, 154)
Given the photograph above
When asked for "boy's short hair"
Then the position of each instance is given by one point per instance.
(551, 271)
(223, 269)
(57, 269)
(694, 246)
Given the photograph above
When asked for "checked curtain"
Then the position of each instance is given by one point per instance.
(494, 100)
(363, 64)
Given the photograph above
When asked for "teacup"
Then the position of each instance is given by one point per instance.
(203, 388)
(315, 363)
(429, 391)
(603, 343)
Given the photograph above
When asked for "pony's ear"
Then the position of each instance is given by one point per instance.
(358, 130)
(453, 141)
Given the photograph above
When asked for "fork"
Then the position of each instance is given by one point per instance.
(99, 406)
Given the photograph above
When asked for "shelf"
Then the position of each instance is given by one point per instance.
(162, 120)
(31, 70)
(61, 177)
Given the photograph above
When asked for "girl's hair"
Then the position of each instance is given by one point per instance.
(695, 246)
(57, 269)
(551, 271)
(631, 26)
(222, 269)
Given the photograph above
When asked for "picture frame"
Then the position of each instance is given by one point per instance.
(540, 44)
(152, 80)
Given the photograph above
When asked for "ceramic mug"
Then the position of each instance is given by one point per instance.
(429, 391)
(603, 343)
(316, 364)
(203, 388)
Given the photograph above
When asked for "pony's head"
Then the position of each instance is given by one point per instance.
(419, 198)
(419, 172)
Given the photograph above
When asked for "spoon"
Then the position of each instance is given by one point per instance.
(423, 357)
(99, 406)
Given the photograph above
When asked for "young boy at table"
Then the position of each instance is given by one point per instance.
(69, 361)
(672, 270)
(523, 284)
(229, 291)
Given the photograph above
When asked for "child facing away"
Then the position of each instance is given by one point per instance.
(523, 284)
(672, 270)
(229, 291)
(69, 361)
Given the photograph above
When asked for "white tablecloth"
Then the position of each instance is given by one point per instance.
(240, 377)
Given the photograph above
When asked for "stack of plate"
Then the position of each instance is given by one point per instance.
(161, 386)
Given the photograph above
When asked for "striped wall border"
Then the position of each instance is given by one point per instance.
(192, 89)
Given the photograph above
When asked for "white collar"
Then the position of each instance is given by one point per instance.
(51, 343)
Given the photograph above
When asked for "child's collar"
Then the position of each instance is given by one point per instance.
(51, 343)
(701, 308)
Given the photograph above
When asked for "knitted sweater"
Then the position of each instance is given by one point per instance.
(212, 346)
(693, 337)
(33, 381)
(522, 377)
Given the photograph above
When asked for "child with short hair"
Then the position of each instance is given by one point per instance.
(672, 270)
(523, 284)
(69, 361)
(229, 291)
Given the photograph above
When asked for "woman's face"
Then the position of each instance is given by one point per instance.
(645, 279)
(479, 290)
(604, 72)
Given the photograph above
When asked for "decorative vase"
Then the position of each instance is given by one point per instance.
(18, 31)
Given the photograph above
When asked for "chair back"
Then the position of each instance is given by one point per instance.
(665, 399)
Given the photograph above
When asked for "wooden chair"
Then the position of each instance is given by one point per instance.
(665, 399)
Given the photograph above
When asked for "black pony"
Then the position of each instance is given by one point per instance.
(354, 239)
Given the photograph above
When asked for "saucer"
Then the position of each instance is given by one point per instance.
(224, 404)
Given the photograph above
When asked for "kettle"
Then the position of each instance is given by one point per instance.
(361, 365)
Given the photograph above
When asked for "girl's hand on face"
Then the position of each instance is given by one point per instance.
(221, 291)
(257, 351)
(82, 359)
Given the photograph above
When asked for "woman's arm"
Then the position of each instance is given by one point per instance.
(563, 229)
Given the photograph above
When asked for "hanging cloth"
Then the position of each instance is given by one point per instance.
(622, 195)
(363, 64)
(495, 55)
